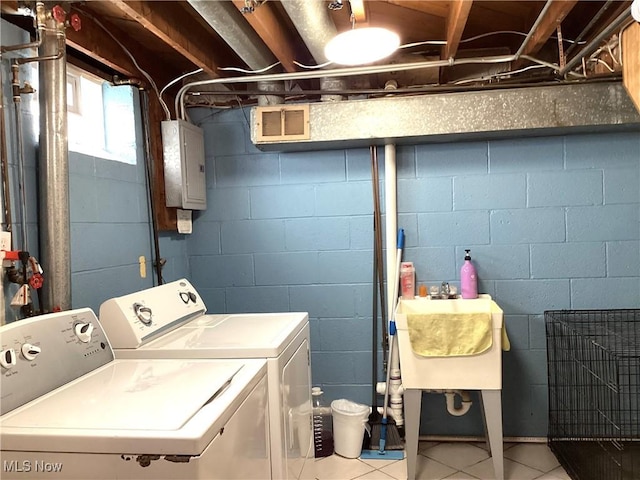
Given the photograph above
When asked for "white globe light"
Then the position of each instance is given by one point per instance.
(361, 46)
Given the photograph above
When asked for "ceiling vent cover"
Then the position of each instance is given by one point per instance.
(281, 122)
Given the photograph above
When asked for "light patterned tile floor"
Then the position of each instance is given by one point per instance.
(450, 461)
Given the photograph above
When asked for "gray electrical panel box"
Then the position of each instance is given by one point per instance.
(184, 177)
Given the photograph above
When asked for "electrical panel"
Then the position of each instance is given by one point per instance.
(184, 175)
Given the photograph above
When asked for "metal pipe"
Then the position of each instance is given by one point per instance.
(15, 85)
(525, 42)
(589, 25)
(338, 72)
(148, 160)
(590, 47)
(39, 20)
(53, 181)
(42, 58)
(6, 204)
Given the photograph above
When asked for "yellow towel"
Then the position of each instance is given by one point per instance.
(450, 334)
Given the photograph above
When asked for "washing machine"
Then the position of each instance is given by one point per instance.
(170, 321)
(70, 410)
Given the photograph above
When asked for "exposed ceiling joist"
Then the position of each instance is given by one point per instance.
(553, 17)
(266, 24)
(92, 41)
(159, 19)
(456, 21)
(358, 10)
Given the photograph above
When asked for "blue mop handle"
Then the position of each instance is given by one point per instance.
(400, 241)
(383, 434)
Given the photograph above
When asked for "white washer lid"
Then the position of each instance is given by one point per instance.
(257, 335)
(128, 395)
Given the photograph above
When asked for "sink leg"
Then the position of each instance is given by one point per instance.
(492, 404)
(412, 406)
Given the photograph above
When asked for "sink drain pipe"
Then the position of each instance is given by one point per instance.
(465, 398)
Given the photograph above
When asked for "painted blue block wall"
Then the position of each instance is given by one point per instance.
(109, 212)
(552, 222)
(110, 222)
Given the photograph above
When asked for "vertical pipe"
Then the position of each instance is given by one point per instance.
(391, 223)
(55, 229)
(391, 226)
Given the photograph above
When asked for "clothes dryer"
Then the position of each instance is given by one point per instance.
(170, 321)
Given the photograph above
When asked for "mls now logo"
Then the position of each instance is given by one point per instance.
(25, 466)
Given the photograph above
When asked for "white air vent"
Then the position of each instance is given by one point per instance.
(277, 123)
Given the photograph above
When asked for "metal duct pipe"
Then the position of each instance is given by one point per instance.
(53, 181)
(332, 84)
(311, 19)
(228, 22)
(267, 100)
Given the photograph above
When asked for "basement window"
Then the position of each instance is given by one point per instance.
(101, 118)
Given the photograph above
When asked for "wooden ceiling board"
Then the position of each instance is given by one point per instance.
(435, 8)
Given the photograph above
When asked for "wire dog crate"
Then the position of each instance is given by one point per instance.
(594, 392)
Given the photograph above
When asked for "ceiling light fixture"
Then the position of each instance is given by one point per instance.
(360, 46)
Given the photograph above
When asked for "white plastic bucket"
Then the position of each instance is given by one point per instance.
(349, 419)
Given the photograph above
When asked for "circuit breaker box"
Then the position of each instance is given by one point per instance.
(184, 173)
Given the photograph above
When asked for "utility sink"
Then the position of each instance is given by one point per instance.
(481, 371)
(474, 372)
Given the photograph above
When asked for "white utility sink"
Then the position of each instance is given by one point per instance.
(482, 371)
(475, 372)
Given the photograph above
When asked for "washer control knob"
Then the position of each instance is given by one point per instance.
(192, 297)
(144, 313)
(184, 296)
(30, 352)
(8, 358)
(83, 331)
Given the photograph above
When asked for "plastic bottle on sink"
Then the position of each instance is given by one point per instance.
(407, 280)
(468, 278)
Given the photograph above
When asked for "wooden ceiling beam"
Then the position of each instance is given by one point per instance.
(456, 21)
(159, 19)
(94, 42)
(266, 24)
(553, 17)
(359, 11)
(431, 7)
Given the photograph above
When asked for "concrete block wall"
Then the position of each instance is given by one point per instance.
(552, 222)
(110, 223)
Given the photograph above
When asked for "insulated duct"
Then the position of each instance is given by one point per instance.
(55, 229)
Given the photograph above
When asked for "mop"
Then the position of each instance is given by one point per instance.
(386, 434)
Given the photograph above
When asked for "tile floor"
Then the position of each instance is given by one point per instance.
(452, 461)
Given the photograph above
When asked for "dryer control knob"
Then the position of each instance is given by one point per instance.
(30, 352)
(8, 358)
(144, 313)
(184, 296)
(83, 331)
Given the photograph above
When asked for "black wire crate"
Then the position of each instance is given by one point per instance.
(593, 360)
